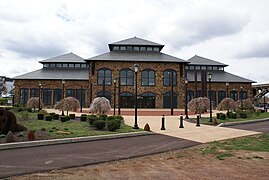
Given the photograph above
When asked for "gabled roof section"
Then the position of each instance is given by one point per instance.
(55, 74)
(198, 60)
(219, 76)
(135, 41)
(65, 58)
(128, 56)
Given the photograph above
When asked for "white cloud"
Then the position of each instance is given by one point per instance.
(233, 32)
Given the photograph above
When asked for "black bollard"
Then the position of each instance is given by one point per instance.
(181, 121)
(163, 128)
(198, 120)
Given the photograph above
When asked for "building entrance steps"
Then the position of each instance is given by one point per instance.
(203, 134)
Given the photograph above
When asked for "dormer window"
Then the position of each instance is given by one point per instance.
(129, 48)
(123, 48)
(155, 49)
(136, 48)
(77, 65)
(71, 65)
(142, 48)
(52, 65)
(116, 48)
(65, 65)
(149, 48)
(58, 65)
(45, 65)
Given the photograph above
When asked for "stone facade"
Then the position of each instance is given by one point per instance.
(158, 89)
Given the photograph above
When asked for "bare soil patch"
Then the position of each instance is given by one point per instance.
(189, 163)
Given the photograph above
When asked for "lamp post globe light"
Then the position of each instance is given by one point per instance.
(227, 88)
(63, 83)
(114, 82)
(136, 67)
(186, 98)
(210, 96)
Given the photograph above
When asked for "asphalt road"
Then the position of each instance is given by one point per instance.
(37, 159)
(257, 126)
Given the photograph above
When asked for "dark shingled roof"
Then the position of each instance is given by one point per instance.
(55, 74)
(135, 41)
(219, 76)
(65, 58)
(198, 60)
(137, 56)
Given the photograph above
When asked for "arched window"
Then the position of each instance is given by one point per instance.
(57, 95)
(104, 76)
(70, 93)
(47, 96)
(104, 94)
(167, 77)
(190, 95)
(127, 100)
(167, 100)
(23, 96)
(234, 95)
(34, 92)
(213, 97)
(148, 77)
(148, 100)
(243, 94)
(221, 96)
(126, 77)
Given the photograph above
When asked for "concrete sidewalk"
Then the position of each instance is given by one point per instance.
(202, 134)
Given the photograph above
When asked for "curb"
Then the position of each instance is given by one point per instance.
(242, 122)
(17, 145)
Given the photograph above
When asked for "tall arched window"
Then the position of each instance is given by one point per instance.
(148, 77)
(105, 94)
(234, 95)
(167, 77)
(104, 76)
(126, 77)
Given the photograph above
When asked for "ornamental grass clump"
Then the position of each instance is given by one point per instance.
(100, 105)
(199, 105)
(227, 104)
(68, 104)
(34, 103)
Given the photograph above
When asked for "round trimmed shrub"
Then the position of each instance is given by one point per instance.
(40, 116)
(233, 115)
(243, 115)
(72, 116)
(56, 116)
(102, 116)
(229, 114)
(99, 124)
(48, 118)
(218, 115)
(222, 116)
(114, 124)
(64, 118)
(92, 119)
(83, 117)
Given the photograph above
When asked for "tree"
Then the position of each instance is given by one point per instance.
(199, 105)
(247, 104)
(68, 104)
(100, 105)
(34, 103)
(227, 104)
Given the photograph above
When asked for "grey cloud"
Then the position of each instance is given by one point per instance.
(254, 49)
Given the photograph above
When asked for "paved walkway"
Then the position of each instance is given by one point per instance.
(202, 134)
(37, 159)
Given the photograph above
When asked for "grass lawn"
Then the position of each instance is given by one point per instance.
(222, 149)
(76, 128)
(253, 117)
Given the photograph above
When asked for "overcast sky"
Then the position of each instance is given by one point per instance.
(232, 32)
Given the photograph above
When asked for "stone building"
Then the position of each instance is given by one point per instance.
(112, 75)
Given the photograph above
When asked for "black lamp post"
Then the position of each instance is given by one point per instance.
(81, 93)
(172, 92)
(63, 83)
(227, 89)
(186, 98)
(114, 82)
(210, 96)
(119, 99)
(241, 97)
(136, 66)
(39, 98)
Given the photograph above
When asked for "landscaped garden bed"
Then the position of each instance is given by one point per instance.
(55, 127)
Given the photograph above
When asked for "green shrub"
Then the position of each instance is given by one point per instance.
(102, 116)
(228, 114)
(43, 129)
(83, 118)
(8, 108)
(51, 130)
(52, 114)
(243, 115)
(29, 110)
(109, 118)
(48, 117)
(43, 112)
(92, 119)
(64, 118)
(2, 135)
(66, 129)
(233, 115)
(68, 118)
(20, 109)
(25, 115)
(258, 112)
(3, 101)
(222, 116)
(72, 116)
(99, 124)
(114, 124)
(40, 116)
(218, 115)
(56, 116)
